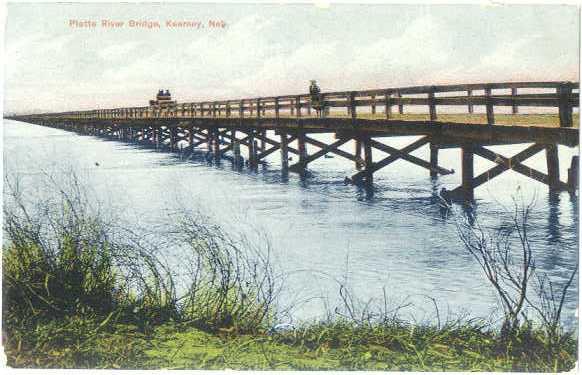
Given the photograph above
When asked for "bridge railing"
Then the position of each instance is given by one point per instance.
(563, 96)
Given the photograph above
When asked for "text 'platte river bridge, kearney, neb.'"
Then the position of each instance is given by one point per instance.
(465, 116)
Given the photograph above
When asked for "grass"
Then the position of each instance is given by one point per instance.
(79, 294)
(87, 343)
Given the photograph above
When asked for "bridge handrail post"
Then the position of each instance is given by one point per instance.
(227, 110)
(352, 107)
(277, 109)
(470, 102)
(241, 111)
(489, 106)
(298, 106)
(564, 91)
(258, 108)
(432, 104)
(514, 107)
(387, 104)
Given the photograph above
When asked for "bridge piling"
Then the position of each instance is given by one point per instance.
(467, 172)
(284, 152)
(434, 160)
(368, 164)
(573, 174)
(358, 153)
(302, 150)
(553, 164)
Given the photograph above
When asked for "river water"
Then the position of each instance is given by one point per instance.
(394, 242)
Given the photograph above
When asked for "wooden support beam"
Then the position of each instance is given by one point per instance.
(302, 149)
(358, 154)
(434, 160)
(275, 143)
(190, 137)
(336, 151)
(565, 108)
(368, 163)
(263, 136)
(233, 141)
(237, 160)
(573, 174)
(489, 107)
(209, 139)
(387, 104)
(553, 164)
(284, 150)
(500, 168)
(432, 105)
(467, 173)
(393, 157)
(216, 141)
(324, 150)
(406, 156)
(510, 163)
(514, 107)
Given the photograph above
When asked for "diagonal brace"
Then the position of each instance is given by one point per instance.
(396, 154)
(324, 150)
(514, 164)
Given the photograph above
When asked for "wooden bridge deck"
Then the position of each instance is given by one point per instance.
(364, 117)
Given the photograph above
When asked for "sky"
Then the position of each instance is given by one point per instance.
(275, 49)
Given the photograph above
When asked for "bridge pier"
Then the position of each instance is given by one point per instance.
(573, 174)
(368, 164)
(216, 139)
(434, 160)
(467, 172)
(553, 164)
(302, 150)
(208, 139)
(284, 152)
(358, 154)
(237, 160)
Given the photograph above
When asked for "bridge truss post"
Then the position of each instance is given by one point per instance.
(553, 164)
(434, 160)
(467, 172)
(368, 164)
(284, 152)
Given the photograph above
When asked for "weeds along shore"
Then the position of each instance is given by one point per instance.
(80, 292)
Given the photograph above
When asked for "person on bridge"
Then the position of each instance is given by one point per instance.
(315, 97)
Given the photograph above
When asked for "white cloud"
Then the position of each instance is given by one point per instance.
(118, 51)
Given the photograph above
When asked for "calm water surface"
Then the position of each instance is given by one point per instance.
(319, 228)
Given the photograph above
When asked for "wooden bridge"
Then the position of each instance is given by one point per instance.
(467, 116)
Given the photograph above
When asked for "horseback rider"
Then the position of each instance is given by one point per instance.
(315, 97)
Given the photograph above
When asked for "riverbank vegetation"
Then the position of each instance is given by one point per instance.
(81, 292)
